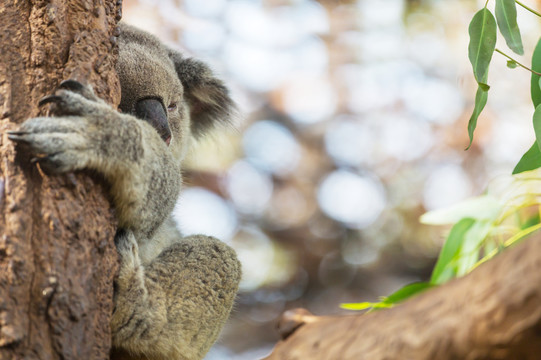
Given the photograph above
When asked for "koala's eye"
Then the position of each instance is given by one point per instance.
(172, 107)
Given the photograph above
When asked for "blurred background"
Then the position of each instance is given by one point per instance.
(353, 124)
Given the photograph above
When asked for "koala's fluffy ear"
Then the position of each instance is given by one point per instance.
(207, 95)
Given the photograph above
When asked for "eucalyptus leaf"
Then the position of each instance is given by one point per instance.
(535, 90)
(530, 160)
(530, 221)
(511, 64)
(485, 207)
(484, 87)
(406, 292)
(537, 125)
(357, 306)
(506, 16)
(443, 270)
(471, 244)
(481, 98)
(365, 305)
(482, 31)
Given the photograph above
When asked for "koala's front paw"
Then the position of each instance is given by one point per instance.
(66, 143)
(127, 248)
(58, 146)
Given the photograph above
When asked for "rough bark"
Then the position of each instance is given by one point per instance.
(492, 313)
(57, 256)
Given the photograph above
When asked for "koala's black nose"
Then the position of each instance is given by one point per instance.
(153, 111)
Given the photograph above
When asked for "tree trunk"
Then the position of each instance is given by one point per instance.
(57, 255)
(492, 313)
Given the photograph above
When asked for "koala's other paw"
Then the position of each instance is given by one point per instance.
(128, 253)
(127, 248)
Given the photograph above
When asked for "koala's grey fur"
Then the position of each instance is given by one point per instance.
(173, 294)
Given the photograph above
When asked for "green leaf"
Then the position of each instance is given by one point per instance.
(536, 66)
(469, 250)
(387, 302)
(530, 160)
(364, 306)
(535, 219)
(511, 64)
(482, 31)
(522, 234)
(485, 207)
(406, 292)
(481, 98)
(443, 271)
(357, 306)
(506, 15)
(537, 125)
(484, 87)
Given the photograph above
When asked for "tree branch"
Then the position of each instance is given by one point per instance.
(492, 313)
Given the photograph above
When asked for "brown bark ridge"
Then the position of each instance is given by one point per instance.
(57, 255)
(492, 313)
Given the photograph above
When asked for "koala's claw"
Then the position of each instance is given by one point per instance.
(72, 85)
(17, 136)
(79, 88)
(15, 132)
(52, 164)
(72, 98)
(49, 99)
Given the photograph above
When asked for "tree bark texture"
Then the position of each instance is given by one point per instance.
(57, 255)
(492, 313)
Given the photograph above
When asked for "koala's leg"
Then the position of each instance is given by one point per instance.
(174, 307)
(144, 176)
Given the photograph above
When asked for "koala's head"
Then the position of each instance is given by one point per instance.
(178, 96)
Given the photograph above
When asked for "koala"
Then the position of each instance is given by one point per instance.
(173, 294)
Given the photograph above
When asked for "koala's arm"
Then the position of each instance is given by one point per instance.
(174, 307)
(144, 177)
(172, 295)
(173, 298)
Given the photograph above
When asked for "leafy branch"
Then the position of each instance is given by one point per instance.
(516, 62)
(480, 224)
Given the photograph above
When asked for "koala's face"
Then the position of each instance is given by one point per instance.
(176, 95)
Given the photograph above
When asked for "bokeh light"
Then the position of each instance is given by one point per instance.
(250, 189)
(350, 142)
(354, 200)
(200, 211)
(447, 185)
(309, 99)
(270, 146)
